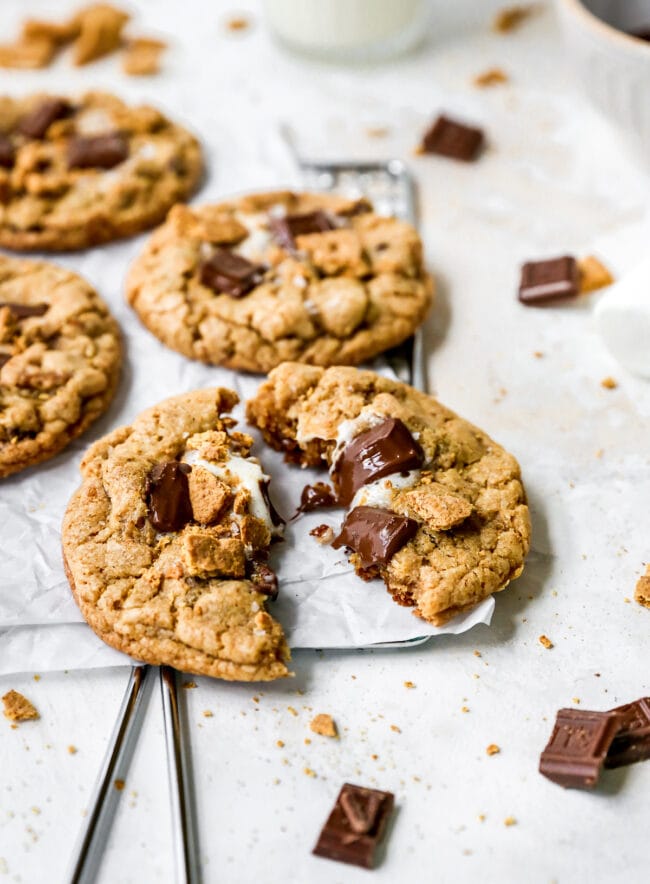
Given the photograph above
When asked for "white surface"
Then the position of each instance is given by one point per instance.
(556, 179)
(623, 320)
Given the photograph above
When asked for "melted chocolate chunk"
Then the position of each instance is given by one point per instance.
(168, 496)
(578, 746)
(454, 140)
(23, 311)
(264, 578)
(276, 518)
(7, 152)
(632, 742)
(97, 151)
(384, 449)
(375, 534)
(286, 229)
(316, 496)
(230, 274)
(545, 281)
(356, 826)
(4, 358)
(36, 123)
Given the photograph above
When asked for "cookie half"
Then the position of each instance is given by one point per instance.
(76, 173)
(165, 542)
(434, 506)
(60, 360)
(271, 277)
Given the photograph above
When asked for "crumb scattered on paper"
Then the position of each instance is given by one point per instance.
(119, 785)
(18, 708)
(238, 23)
(490, 77)
(409, 684)
(324, 725)
(493, 749)
(545, 641)
(642, 589)
(609, 383)
(510, 821)
(511, 17)
(72, 750)
(141, 57)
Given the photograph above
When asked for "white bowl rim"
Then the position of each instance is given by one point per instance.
(577, 8)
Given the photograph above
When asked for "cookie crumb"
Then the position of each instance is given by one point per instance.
(324, 725)
(545, 641)
(510, 821)
(575, 700)
(395, 728)
(538, 354)
(477, 654)
(481, 817)
(377, 131)
(72, 750)
(237, 23)
(279, 744)
(593, 275)
(642, 589)
(511, 17)
(409, 684)
(188, 685)
(18, 708)
(207, 713)
(142, 57)
(464, 708)
(493, 749)
(490, 77)
(119, 785)
(309, 772)
(37, 678)
(609, 383)
(292, 710)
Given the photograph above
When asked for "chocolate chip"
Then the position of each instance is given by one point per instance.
(578, 746)
(286, 229)
(36, 123)
(231, 274)
(632, 742)
(7, 153)
(551, 280)
(375, 534)
(316, 496)
(356, 826)
(386, 448)
(452, 139)
(23, 311)
(97, 151)
(168, 496)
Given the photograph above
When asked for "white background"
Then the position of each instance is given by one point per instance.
(555, 179)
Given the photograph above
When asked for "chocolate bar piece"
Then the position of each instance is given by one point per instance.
(543, 282)
(375, 534)
(356, 826)
(579, 744)
(168, 496)
(36, 123)
(231, 274)
(386, 448)
(632, 742)
(286, 229)
(97, 151)
(452, 139)
(24, 311)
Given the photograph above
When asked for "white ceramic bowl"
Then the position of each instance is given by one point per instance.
(613, 66)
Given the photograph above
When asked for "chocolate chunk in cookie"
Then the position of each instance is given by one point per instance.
(375, 535)
(227, 273)
(97, 151)
(168, 496)
(23, 311)
(38, 120)
(287, 228)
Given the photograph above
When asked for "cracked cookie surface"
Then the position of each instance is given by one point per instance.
(458, 524)
(76, 173)
(165, 542)
(59, 360)
(271, 277)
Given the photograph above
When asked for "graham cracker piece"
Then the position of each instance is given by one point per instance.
(209, 496)
(205, 553)
(142, 56)
(324, 725)
(100, 32)
(254, 532)
(35, 52)
(18, 708)
(437, 507)
(642, 589)
(593, 274)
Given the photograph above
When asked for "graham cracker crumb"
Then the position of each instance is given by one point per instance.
(490, 77)
(538, 354)
(511, 17)
(510, 821)
(72, 749)
(642, 589)
(142, 57)
(279, 744)
(545, 640)
(593, 274)
(207, 713)
(309, 772)
(397, 730)
(464, 708)
(576, 700)
(238, 23)
(477, 654)
(324, 725)
(409, 684)
(377, 131)
(493, 749)
(374, 756)
(609, 383)
(37, 678)
(481, 817)
(293, 711)
(307, 741)
(119, 785)
(18, 708)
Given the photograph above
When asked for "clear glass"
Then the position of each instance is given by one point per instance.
(349, 30)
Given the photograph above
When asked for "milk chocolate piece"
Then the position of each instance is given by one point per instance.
(23, 311)
(452, 139)
(4, 358)
(7, 153)
(543, 282)
(263, 577)
(286, 229)
(356, 826)
(97, 151)
(375, 534)
(579, 744)
(316, 496)
(230, 274)
(386, 448)
(36, 123)
(168, 496)
(632, 742)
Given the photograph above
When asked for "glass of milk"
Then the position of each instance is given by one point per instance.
(349, 30)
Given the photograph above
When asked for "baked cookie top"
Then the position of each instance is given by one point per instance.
(271, 277)
(75, 173)
(435, 507)
(59, 360)
(165, 542)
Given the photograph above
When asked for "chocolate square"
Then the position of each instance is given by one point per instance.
(375, 534)
(632, 742)
(545, 281)
(286, 229)
(356, 826)
(578, 746)
(452, 139)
